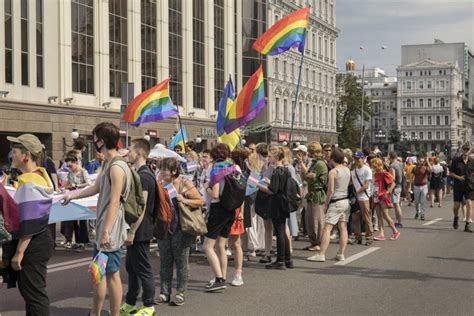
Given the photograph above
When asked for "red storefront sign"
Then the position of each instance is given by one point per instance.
(283, 136)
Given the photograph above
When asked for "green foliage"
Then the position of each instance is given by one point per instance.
(349, 94)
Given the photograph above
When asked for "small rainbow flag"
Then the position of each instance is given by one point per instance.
(286, 33)
(249, 102)
(97, 267)
(151, 106)
(220, 170)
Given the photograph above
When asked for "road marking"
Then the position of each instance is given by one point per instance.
(432, 222)
(67, 263)
(357, 256)
(70, 266)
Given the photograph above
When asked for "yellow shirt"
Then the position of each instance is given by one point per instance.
(35, 178)
(409, 172)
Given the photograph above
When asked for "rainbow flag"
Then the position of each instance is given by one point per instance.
(287, 33)
(220, 170)
(151, 106)
(249, 102)
(97, 267)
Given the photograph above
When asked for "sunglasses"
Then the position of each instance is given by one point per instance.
(328, 150)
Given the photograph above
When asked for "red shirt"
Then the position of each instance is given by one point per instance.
(421, 176)
(382, 180)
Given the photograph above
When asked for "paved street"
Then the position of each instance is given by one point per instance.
(428, 271)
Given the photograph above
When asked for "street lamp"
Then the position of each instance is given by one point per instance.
(380, 135)
(198, 139)
(147, 137)
(361, 48)
(74, 136)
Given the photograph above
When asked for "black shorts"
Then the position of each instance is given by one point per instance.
(219, 222)
(459, 194)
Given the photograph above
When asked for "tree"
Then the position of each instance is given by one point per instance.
(349, 94)
(394, 137)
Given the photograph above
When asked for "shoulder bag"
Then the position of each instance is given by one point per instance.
(191, 219)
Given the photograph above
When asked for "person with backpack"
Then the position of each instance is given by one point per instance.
(436, 182)
(221, 215)
(174, 248)
(137, 260)
(30, 249)
(278, 209)
(114, 182)
(337, 207)
(362, 179)
(396, 168)
(316, 176)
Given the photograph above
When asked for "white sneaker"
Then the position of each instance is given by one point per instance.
(237, 281)
(333, 236)
(317, 258)
(211, 283)
(340, 257)
(228, 253)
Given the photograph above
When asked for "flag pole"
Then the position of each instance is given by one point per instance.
(293, 110)
(180, 126)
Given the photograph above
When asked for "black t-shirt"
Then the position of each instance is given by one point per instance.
(48, 164)
(462, 169)
(147, 178)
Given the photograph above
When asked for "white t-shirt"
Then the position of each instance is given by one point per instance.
(364, 173)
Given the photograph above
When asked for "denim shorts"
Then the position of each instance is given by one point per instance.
(113, 263)
(396, 194)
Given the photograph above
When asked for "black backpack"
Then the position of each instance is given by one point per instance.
(233, 194)
(291, 194)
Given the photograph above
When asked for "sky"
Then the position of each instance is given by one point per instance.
(393, 23)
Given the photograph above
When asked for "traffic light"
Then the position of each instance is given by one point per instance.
(446, 149)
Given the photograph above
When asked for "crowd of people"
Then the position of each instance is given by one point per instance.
(319, 192)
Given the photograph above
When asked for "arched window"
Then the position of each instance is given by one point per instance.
(326, 116)
(314, 115)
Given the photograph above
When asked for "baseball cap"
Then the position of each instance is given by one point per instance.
(29, 141)
(359, 154)
(302, 148)
(466, 146)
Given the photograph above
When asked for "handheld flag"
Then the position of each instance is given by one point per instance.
(287, 33)
(151, 106)
(252, 181)
(220, 170)
(97, 267)
(192, 166)
(179, 139)
(232, 139)
(171, 191)
(225, 104)
(249, 102)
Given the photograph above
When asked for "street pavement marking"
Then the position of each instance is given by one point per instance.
(357, 256)
(432, 222)
(71, 266)
(67, 263)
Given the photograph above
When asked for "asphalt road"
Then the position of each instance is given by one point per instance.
(428, 271)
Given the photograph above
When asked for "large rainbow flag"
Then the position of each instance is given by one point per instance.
(151, 106)
(286, 33)
(249, 102)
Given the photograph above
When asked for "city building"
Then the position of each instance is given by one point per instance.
(315, 113)
(430, 105)
(63, 64)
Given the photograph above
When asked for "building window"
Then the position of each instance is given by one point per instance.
(275, 67)
(320, 81)
(408, 103)
(313, 37)
(438, 135)
(285, 110)
(442, 84)
(307, 77)
(314, 79)
(404, 121)
(149, 47)
(430, 103)
(320, 116)
(442, 102)
(326, 83)
(8, 17)
(284, 70)
(326, 116)
(277, 109)
(413, 121)
(199, 90)
(413, 134)
(300, 112)
(24, 43)
(82, 32)
(376, 123)
(332, 50)
(219, 77)
(175, 16)
(314, 115)
(118, 50)
(332, 118)
(421, 103)
(420, 120)
(326, 53)
(384, 122)
(293, 76)
(39, 44)
(438, 120)
(320, 48)
(428, 84)
(429, 135)
(446, 135)
(408, 85)
(446, 120)
(308, 117)
(420, 84)
(421, 135)
(392, 121)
